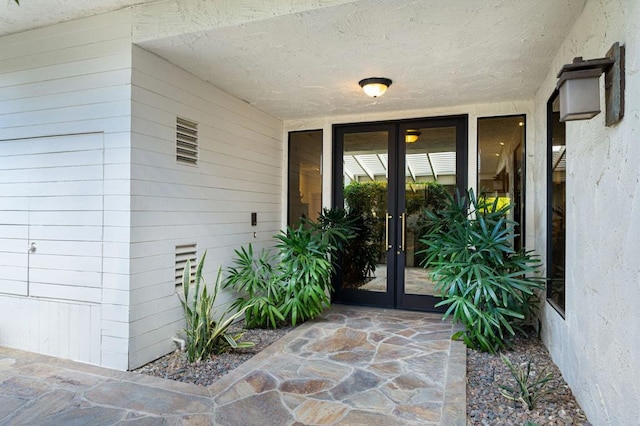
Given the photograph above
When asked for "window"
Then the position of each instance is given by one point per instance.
(186, 141)
(305, 176)
(501, 142)
(556, 205)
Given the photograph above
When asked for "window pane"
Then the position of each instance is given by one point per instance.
(305, 176)
(557, 176)
(501, 165)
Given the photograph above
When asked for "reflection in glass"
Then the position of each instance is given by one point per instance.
(500, 165)
(430, 173)
(365, 163)
(305, 177)
(557, 208)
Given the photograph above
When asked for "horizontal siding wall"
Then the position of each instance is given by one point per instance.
(69, 79)
(239, 171)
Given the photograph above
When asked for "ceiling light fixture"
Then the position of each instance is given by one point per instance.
(411, 136)
(375, 86)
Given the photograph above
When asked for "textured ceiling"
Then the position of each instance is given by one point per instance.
(296, 59)
(42, 13)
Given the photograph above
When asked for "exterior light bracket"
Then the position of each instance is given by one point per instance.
(578, 84)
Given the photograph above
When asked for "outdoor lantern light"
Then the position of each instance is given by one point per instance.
(411, 136)
(375, 86)
(579, 87)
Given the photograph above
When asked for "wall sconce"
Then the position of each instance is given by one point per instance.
(579, 87)
(411, 136)
(375, 86)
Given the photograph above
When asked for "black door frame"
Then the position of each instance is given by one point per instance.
(395, 296)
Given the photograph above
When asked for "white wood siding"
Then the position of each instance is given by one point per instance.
(52, 327)
(70, 78)
(239, 171)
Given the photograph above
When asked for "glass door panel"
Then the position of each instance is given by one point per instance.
(432, 163)
(363, 162)
(387, 175)
(430, 173)
(366, 173)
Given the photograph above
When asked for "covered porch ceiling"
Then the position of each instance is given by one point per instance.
(300, 59)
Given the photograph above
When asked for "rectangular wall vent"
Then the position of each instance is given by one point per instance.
(186, 141)
(183, 253)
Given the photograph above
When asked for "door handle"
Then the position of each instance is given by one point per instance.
(386, 230)
(32, 248)
(403, 220)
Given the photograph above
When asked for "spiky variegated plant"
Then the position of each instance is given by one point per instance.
(531, 387)
(205, 333)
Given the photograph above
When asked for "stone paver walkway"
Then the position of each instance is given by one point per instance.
(352, 366)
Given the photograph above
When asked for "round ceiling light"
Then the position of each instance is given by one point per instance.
(375, 86)
(411, 136)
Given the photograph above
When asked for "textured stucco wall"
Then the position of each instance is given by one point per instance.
(596, 346)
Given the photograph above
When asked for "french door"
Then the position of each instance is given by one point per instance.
(386, 175)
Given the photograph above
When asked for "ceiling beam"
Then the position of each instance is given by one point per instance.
(433, 170)
(364, 169)
(559, 157)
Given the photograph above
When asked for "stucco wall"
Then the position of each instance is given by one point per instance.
(240, 170)
(597, 345)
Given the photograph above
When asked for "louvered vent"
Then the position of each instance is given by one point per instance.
(186, 141)
(184, 253)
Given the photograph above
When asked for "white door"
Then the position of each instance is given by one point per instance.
(51, 211)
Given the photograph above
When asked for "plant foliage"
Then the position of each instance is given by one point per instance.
(290, 284)
(366, 204)
(485, 284)
(530, 388)
(205, 334)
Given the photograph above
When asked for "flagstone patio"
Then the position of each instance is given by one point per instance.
(351, 366)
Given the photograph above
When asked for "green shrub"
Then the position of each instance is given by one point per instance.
(260, 283)
(205, 334)
(290, 284)
(366, 206)
(485, 284)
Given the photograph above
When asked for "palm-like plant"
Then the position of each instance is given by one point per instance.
(486, 285)
(291, 284)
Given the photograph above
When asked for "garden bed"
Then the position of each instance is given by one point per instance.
(486, 372)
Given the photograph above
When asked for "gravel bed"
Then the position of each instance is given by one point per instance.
(485, 372)
(175, 366)
(485, 404)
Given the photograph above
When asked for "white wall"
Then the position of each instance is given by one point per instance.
(68, 79)
(240, 170)
(596, 346)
